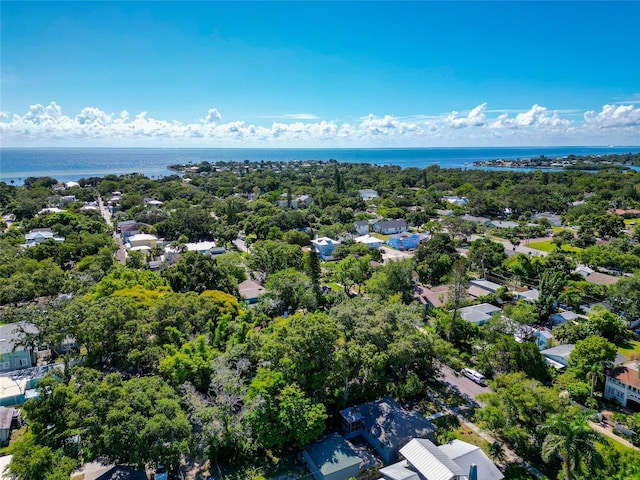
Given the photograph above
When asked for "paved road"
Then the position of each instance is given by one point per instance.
(391, 254)
(461, 384)
(121, 254)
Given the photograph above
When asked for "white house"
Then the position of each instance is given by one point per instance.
(368, 194)
(39, 235)
(623, 384)
(206, 248)
(455, 200)
(478, 314)
(142, 240)
(456, 460)
(368, 240)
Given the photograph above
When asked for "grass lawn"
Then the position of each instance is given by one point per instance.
(334, 286)
(549, 246)
(380, 236)
(630, 221)
(630, 349)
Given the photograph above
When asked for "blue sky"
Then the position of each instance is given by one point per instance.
(320, 74)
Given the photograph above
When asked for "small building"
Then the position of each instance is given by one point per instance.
(623, 384)
(331, 458)
(361, 227)
(48, 210)
(385, 426)
(553, 219)
(325, 247)
(67, 199)
(206, 248)
(368, 194)
(504, 224)
(142, 240)
(153, 203)
(478, 314)
(433, 297)
(14, 356)
(368, 240)
(404, 241)
(455, 200)
(302, 201)
(558, 357)
(529, 296)
(389, 227)
(563, 317)
(478, 220)
(250, 290)
(543, 338)
(485, 285)
(39, 235)
(8, 418)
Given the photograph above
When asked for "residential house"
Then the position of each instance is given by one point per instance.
(478, 314)
(14, 356)
(456, 460)
(596, 278)
(128, 228)
(142, 241)
(389, 227)
(553, 219)
(543, 338)
(558, 357)
(332, 458)
(302, 201)
(368, 240)
(405, 241)
(478, 220)
(67, 199)
(153, 203)
(623, 384)
(385, 426)
(433, 297)
(368, 194)
(8, 418)
(562, 317)
(47, 210)
(455, 200)
(325, 247)
(206, 248)
(631, 213)
(250, 290)
(504, 224)
(361, 226)
(481, 288)
(39, 235)
(529, 296)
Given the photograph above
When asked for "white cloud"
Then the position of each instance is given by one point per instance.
(48, 126)
(212, 116)
(475, 118)
(536, 117)
(613, 116)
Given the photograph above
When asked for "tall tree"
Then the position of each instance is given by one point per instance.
(574, 440)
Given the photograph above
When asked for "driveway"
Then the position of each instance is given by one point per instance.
(461, 384)
(391, 254)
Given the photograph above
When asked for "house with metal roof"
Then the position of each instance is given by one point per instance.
(369, 241)
(478, 314)
(361, 226)
(325, 247)
(368, 194)
(456, 460)
(558, 357)
(331, 458)
(13, 355)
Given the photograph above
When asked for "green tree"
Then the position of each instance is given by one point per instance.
(288, 290)
(590, 351)
(197, 272)
(486, 255)
(574, 440)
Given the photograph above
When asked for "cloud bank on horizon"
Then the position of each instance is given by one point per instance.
(617, 124)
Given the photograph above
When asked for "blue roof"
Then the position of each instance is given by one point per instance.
(332, 454)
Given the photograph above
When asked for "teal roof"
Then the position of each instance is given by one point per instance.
(332, 454)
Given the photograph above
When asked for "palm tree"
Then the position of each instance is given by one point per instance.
(496, 451)
(595, 373)
(572, 438)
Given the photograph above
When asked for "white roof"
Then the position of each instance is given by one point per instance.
(140, 248)
(398, 471)
(532, 294)
(140, 237)
(4, 463)
(367, 239)
(72, 184)
(325, 241)
(466, 454)
(431, 462)
(199, 246)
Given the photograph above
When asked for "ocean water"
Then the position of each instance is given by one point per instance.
(67, 164)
